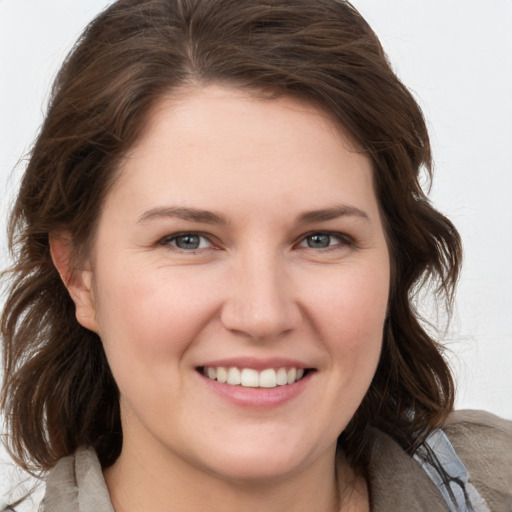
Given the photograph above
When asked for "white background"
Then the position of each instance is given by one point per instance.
(456, 57)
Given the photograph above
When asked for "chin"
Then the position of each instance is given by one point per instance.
(259, 458)
(257, 468)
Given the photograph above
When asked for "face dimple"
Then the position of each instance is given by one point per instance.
(242, 233)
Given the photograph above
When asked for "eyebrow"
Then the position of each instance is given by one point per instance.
(209, 217)
(190, 214)
(335, 212)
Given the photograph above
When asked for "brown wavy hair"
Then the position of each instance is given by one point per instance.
(58, 392)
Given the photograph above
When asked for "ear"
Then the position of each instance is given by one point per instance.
(77, 281)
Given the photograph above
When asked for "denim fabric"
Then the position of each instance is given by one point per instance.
(458, 491)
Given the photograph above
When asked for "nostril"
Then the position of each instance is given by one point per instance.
(260, 312)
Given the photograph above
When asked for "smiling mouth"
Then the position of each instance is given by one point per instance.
(251, 378)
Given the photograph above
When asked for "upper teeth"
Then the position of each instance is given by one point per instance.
(250, 378)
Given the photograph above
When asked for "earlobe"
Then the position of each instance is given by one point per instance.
(77, 281)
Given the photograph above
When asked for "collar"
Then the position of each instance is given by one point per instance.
(396, 482)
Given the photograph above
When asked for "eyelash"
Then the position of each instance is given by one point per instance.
(343, 241)
(168, 241)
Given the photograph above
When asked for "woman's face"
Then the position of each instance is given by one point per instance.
(242, 241)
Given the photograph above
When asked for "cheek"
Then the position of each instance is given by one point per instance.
(149, 323)
(352, 306)
(156, 314)
(350, 314)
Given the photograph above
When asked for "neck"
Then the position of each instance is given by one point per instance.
(137, 481)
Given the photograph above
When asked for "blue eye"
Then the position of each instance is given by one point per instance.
(322, 240)
(187, 241)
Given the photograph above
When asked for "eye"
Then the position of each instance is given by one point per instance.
(187, 241)
(323, 240)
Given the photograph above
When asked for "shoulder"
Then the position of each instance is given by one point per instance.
(483, 442)
(76, 484)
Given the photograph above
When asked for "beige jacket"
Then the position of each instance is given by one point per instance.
(397, 482)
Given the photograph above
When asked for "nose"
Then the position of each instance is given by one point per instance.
(260, 302)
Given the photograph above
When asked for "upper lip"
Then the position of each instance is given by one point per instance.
(256, 363)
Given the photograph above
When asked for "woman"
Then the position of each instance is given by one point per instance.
(218, 238)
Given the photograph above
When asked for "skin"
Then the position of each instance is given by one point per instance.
(253, 288)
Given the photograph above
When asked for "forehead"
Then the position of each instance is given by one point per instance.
(231, 144)
(208, 111)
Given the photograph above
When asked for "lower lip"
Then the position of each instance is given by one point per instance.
(258, 397)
